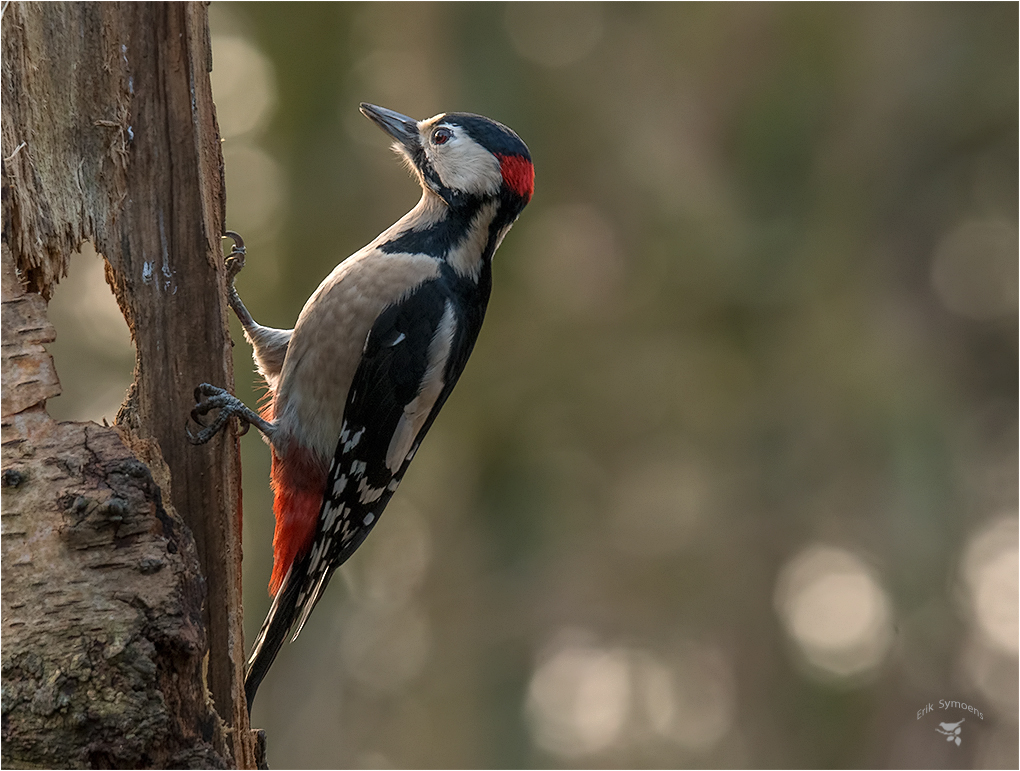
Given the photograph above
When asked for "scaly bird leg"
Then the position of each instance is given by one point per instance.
(269, 344)
(234, 264)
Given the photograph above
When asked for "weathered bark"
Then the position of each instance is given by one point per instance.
(109, 134)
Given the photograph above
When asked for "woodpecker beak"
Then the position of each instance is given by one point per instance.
(400, 127)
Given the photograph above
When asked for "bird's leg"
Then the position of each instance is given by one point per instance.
(209, 398)
(270, 344)
(234, 264)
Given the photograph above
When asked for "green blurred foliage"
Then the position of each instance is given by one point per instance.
(730, 325)
(717, 308)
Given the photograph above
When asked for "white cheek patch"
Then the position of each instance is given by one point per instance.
(463, 164)
(416, 412)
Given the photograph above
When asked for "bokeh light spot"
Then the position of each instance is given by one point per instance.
(93, 352)
(384, 648)
(991, 566)
(244, 86)
(835, 610)
(584, 698)
(992, 672)
(256, 189)
(578, 699)
(396, 559)
(690, 703)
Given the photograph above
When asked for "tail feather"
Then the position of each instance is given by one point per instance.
(308, 604)
(298, 480)
(310, 595)
(273, 632)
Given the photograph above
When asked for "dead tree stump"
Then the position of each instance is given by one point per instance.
(121, 600)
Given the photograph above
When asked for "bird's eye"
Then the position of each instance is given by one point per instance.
(441, 135)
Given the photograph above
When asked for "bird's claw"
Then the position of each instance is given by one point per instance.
(208, 398)
(235, 260)
(238, 241)
(200, 438)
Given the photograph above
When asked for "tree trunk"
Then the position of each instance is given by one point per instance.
(123, 643)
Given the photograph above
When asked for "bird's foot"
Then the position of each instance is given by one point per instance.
(209, 398)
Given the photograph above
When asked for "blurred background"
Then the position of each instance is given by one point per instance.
(731, 477)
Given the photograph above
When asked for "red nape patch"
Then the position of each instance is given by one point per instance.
(298, 481)
(519, 174)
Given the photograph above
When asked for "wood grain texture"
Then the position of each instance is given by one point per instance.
(109, 134)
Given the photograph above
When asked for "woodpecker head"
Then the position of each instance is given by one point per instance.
(461, 157)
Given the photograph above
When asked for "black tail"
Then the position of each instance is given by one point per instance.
(274, 630)
(290, 610)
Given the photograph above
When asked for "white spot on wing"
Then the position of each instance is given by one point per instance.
(331, 513)
(313, 562)
(353, 441)
(368, 493)
(334, 512)
(369, 518)
(358, 469)
(339, 485)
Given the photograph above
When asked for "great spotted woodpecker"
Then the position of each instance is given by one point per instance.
(358, 381)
